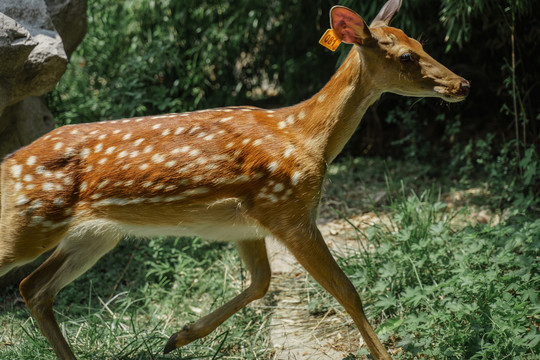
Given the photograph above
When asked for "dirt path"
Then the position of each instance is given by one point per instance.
(294, 332)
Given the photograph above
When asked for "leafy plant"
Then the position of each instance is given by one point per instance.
(446, 293)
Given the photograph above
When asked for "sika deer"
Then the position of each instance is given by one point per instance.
(235, 174)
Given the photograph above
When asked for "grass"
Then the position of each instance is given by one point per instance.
(133, 299)
(436, 286)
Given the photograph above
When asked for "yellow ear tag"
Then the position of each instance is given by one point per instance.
(330, 40)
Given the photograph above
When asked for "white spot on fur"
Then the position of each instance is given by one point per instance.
(148, 149)
(166, 132)
(288, 152)
(226, 119)
(273, 166)
(281, 125)
(290, 119)
(209, 137)
(279, 187)
(295, 178)
(126, 137)
(138, 142)
(179, 130)
(156, 126)
(68, 180)
(28, 178)
(96, 196)
(122, 154)
(48, 186)
(302, 114)
(85, 152)
(170, 163)
(194, 152)
(147, 184)
(16, 171)
(229, 145)
(194, 129)
(83, 186)
(36, 220)
(110, 150)
(158, 158)
(102, 136)
(115, 131)
(31, 160)
(144, 166)
(69, 152)
(133, 154)
(219, 157)
(103, 184)
(18, 187)
(98, 147)
(58, 201)
(321, 98)
(196, 191)
(58, 145)
(102, 161)
(257, 142)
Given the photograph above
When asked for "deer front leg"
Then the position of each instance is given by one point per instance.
(253, 253)
(309, 248)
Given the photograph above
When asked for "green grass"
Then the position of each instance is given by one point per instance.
(133, 299)
(440, 289)
(435, 286)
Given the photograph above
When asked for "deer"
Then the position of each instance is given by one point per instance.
(235, 174)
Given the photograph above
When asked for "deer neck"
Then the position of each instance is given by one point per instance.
(331, 116)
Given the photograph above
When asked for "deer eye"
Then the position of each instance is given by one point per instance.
(405, 57)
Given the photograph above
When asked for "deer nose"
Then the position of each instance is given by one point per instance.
(465, 87)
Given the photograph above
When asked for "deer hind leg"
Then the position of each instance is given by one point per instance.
(253, 253)
(75, 254)
(308, 246)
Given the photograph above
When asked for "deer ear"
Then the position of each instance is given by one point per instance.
(387, 13)
(349, 26)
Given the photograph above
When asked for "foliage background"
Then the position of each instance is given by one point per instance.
(146, 57)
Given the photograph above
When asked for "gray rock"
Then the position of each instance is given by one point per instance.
(24, 122)
(69, 18)
(33, 56)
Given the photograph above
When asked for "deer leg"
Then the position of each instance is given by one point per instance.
(253, 253)
(72, 257)
(311, 251)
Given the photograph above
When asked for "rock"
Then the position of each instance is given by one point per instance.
(69, 19)
(33, 57)
(23, 123)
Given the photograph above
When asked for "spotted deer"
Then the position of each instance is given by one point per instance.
(234, 174)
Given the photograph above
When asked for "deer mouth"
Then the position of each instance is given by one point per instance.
(453, 93)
